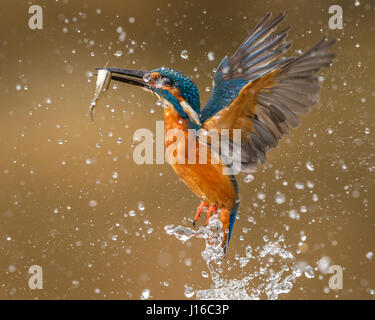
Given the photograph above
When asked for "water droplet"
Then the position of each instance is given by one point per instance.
(141, 206)
(251, 219)
(75, 283)
(188, 262)
(248, 178)
(249, 251)
(115, 175)
(189, 292)
(323, 264)
(299, 185)
(309, 166)
(122, 34)
(279, 198)
(356, 194)
(309, 272)
(211, 56)
(118, 53)
(184, 54)
(145, 294)
(261, 195)
(93, 203)
(12, 268)
(293, 214)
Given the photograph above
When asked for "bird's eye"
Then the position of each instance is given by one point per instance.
(167, 82)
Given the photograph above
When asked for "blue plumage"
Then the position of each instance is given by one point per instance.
(186, 86)
(223, 93)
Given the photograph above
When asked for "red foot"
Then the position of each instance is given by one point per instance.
(202, 206)
(211, 210)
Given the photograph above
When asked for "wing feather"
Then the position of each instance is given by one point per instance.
(262, 93)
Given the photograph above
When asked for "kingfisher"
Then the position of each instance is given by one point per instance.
(258, 91)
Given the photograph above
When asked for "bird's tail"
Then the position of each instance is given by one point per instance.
(227, 218)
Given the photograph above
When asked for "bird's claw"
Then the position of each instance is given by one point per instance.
(201, 207)
(211, 210)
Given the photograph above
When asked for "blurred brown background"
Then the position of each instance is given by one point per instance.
(66, 183)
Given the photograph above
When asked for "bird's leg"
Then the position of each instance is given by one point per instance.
(202, 206)
(211, 210)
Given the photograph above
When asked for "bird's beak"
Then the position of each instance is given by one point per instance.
(105, 75)
(134, 77)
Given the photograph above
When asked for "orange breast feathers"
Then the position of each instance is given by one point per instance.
(206, 180)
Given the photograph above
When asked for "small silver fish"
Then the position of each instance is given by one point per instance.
(102, 83)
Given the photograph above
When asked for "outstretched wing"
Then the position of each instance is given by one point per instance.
(252, 59)
(261, 93)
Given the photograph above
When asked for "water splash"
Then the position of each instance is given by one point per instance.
(266, 271)
(212, 233)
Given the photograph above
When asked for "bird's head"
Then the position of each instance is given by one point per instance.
(168, 84)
